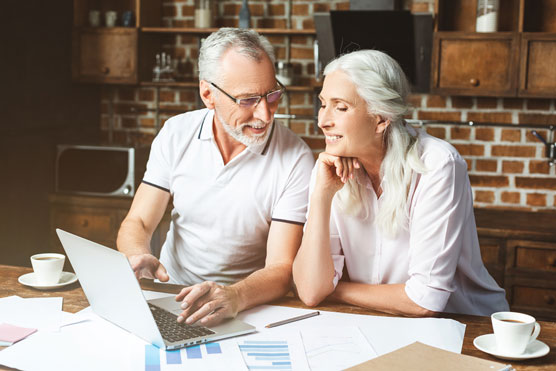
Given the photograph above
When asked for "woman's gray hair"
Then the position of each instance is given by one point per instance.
(381, 83)
(247, 42)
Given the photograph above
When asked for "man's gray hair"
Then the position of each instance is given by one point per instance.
(246, 42)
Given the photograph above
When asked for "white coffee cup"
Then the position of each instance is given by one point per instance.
(94, 18)
(514, 331)
(48, 268)
(110, 18)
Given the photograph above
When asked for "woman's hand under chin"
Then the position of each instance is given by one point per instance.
(334, 171)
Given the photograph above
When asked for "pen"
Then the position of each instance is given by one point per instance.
(293, 319)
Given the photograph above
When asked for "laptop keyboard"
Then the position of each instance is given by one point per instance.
(172, 330)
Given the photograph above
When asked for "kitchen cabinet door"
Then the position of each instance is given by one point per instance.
(537, 67)
(105, 55)
(475, 65)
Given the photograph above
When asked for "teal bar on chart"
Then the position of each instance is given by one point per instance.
(152, 358)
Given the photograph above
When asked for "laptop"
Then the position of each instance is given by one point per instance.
(115, 295)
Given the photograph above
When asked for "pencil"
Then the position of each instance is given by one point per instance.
(293, 319)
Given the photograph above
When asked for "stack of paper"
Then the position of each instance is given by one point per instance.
(329, 341)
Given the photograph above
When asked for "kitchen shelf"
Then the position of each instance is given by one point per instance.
(207, 31)
(195, 84)
(516, 61)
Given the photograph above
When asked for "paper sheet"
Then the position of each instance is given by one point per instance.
(384, 334)
(91, 343)
(44, 314)
(215, 356)
(88, 345)
(279, 352)
(335, 347)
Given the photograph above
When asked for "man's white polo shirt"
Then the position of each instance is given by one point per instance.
(222, 213)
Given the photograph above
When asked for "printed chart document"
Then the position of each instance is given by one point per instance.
(273, 352)
(215, 356)
(327, 340)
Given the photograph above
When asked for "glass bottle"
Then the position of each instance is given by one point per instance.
(284, 72)
(204, 13)
(157, 69)
(487, 16)
(244, 15)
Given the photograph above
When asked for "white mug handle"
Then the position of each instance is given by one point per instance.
(535, 333)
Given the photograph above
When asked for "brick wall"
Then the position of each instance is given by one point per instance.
(507, 166)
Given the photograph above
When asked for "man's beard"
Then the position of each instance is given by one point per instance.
(237, 132)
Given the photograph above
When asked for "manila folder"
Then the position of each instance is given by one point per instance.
(422, 357)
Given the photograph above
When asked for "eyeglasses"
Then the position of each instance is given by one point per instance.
(250, 102)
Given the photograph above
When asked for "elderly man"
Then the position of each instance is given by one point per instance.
(239, 186)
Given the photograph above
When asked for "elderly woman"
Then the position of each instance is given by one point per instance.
(390, 204)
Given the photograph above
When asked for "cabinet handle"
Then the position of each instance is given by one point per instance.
(551, 261)
(106, 70)
(474, 82)
(85, 223)
(549, 299)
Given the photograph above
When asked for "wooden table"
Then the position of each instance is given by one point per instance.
(75, 300)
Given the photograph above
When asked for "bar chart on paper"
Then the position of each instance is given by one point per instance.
(209, 356)
(260, 353)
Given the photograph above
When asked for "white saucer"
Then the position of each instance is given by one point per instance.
(29, 279)
(487, 344)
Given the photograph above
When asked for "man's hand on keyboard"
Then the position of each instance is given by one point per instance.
(208, 302)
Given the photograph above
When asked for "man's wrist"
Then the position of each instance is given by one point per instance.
(238, 297)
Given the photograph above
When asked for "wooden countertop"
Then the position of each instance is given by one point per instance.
(517, 224)
(74, 300)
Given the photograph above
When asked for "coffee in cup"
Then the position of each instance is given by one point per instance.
(514, 331)
(48, 268)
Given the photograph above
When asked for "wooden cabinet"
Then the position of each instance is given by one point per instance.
(493, 252)
(126, 55)
(105, 56)
(110, 55)
(95, 218)
(537, 67)
(519, 250)
(474, 64)
(531, 267)
(515, 61)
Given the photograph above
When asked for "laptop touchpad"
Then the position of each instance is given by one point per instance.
(169, 303)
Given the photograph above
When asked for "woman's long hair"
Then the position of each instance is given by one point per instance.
(381, 83)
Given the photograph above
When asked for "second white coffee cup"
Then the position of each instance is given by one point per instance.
(48, 268)
(110, 18)
(514, 331)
